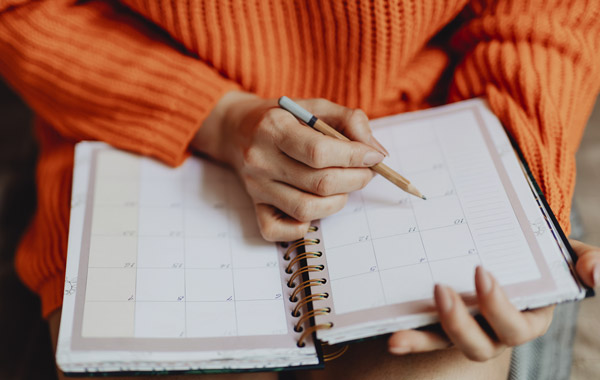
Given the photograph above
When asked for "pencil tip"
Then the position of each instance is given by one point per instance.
(423, 197)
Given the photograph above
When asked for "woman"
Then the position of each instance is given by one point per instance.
(161, 78)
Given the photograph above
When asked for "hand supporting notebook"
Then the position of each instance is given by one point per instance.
(510, 326)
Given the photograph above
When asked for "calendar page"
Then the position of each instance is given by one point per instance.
(167, 266)
(385, 251)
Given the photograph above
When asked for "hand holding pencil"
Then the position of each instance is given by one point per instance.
(293, 173)
(312, 121)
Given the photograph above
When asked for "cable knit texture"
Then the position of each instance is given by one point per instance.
(142, 75)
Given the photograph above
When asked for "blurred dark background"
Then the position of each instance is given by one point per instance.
(25, 348)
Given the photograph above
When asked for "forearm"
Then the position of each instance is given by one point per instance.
(95, 71)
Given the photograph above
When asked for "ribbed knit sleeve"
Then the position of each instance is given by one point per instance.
(96, 71)
(538, 63)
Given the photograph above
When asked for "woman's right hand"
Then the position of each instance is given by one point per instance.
(293, 173)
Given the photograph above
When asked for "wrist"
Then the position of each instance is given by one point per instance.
(218, 128)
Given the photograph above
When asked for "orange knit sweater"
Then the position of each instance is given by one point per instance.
(143, 74)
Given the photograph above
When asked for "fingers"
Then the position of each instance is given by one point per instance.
(462, 329)
(588, 262)
(504, 324)
(276, 226)
(297, 204)
(323, 182)
(318, 151)
(511, 326)
(352, 123)
(289, 168)
(415, 341)
(266, 165)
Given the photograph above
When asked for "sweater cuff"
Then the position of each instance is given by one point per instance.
(174, 142)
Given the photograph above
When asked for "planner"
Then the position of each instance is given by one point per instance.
(167, 271)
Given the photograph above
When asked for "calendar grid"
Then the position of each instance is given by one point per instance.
(187, 247)
(373, 247)
(399, 257)
(441, 150)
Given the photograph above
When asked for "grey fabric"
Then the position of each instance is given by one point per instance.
(549, 357)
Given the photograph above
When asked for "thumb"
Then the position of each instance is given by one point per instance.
(588, 262)
(352, 123)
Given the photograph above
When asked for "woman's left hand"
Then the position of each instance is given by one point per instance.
(507, 326)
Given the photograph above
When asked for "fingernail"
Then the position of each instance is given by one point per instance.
(372, 158)
(596, 275)
(399, 350)
(485, 280)
(443, 298)
(378, 145)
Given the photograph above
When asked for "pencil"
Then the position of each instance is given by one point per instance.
(312, 121)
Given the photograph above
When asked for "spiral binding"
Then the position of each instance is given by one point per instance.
(335, 353)
(301, 294)
(301, 270)
(297, 244)
(301, 257)
(307, 299)
(304, 285)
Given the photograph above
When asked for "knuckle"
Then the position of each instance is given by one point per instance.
(324, 184)
(358, 115)
(252, 158)
(317, 153)
(356, 155)
(319, 106)
(303, 210)
(249, 156)
(351, 157)
(268, 231)
(271, 120)
(358, 119)
(321, 103)
(271, 116)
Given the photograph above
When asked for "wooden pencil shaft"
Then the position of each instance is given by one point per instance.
(389, 174)
(380, 168)
(328, 130)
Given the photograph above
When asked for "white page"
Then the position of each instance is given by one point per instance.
(170, 271)
(466, 220)
(146, 200)
(385, 251)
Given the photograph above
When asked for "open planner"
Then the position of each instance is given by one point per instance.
(167, 271)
